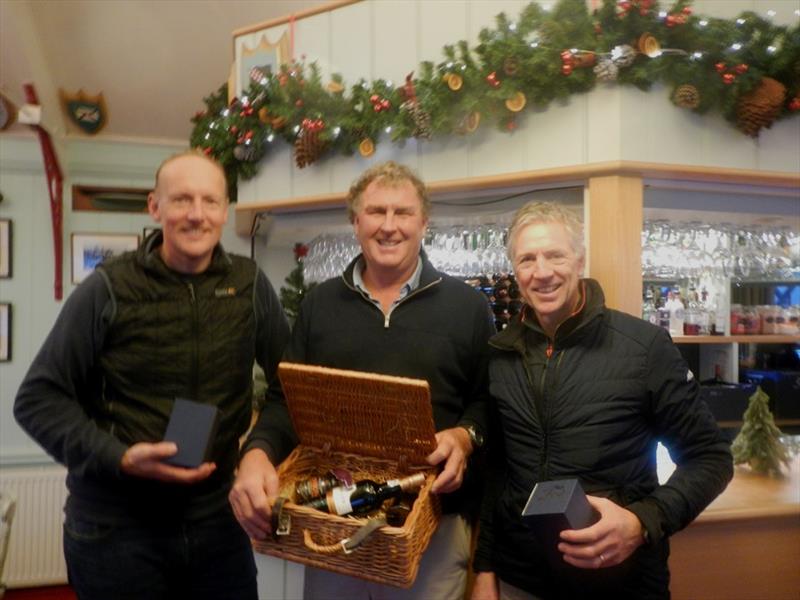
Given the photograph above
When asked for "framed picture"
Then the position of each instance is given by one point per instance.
(90, 249)
(5, 248)
(5, 332)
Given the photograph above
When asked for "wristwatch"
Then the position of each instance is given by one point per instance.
(474, 435)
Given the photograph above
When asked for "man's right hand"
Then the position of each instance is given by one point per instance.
(485, 587)
(146, 460)
(255, 489)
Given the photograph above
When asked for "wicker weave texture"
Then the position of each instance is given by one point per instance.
(360, 413)
(390, 555)
(376, 426)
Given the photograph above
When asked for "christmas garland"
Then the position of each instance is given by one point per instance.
(746, 69)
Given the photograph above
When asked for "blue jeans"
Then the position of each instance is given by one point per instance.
(209, 559)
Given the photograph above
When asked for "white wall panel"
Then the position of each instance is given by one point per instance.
(312, 39)
(352, 37)
(395, 48)
(778, 148)
(604, 124)
(557, 136)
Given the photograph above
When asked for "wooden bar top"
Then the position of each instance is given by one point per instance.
(752, 496)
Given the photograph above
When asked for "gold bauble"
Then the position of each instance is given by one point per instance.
(263, 115)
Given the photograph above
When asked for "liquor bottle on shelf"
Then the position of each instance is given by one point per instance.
(649, 312)
(676, 312)
(692, 316)
(366, 495)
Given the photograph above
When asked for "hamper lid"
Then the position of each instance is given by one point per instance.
(360, 413)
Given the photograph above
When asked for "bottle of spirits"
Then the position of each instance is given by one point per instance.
(366, 495)
(676, 312)
(691, 323)
(649, 312)
(316, 487)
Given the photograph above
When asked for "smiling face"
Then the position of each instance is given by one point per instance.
(191, 204)
(389, 224)
(548, 271)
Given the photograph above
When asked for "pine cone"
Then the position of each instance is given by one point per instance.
(308, 148)
(686, 96)
(760, 107)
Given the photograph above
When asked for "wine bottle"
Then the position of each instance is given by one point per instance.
(366, 495)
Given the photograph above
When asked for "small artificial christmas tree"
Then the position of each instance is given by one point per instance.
(294, 291)
(758, 443)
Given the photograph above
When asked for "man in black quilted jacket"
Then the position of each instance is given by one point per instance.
(177, 318)
(583, 391)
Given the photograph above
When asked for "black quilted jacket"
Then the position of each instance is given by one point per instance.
(591, 404)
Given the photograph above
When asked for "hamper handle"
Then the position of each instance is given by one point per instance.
(346, 545)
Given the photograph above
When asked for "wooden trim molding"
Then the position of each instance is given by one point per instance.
(773, 182)
(303, 14)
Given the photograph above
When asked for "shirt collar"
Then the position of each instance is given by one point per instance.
(409, 286)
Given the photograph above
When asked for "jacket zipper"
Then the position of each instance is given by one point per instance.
(386, 318)
(195, 366)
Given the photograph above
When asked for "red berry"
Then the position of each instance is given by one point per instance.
(566, 69)
(728, 78)
(374, 98)
(720, 67)
(741, 68)
(687, 10)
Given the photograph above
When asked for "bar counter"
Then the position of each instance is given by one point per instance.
(745, 545)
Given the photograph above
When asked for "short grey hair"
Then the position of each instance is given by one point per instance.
(547, 212)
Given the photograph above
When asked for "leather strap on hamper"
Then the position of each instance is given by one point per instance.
(346, 545)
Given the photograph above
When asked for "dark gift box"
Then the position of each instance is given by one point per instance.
(554, 506)
(192, 426)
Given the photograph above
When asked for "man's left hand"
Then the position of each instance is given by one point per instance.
(453, 448)
(606, 543)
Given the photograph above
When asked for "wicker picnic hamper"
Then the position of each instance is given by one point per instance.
(378, 427)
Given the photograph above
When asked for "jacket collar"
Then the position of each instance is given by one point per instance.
(525, 323)
(428, 275)
(149, 257)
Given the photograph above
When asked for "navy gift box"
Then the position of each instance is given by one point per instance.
(554, 506)
(192, 426)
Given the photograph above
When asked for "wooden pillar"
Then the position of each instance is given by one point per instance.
(613, 213)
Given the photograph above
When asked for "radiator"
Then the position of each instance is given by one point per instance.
(35, 555)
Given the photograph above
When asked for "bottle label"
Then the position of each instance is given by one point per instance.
(393, 483)
(339, 500)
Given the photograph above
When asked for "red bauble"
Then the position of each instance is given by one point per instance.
(671, 21)
(687, 10)
(385, 104)
(567, 57)
(207, 150)
(299, 103)
(248, 135)
(233, 129)
(741, 69)
(720, 67)
(566, 69)
(794, 105)
(374, 98)
(728, 78)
